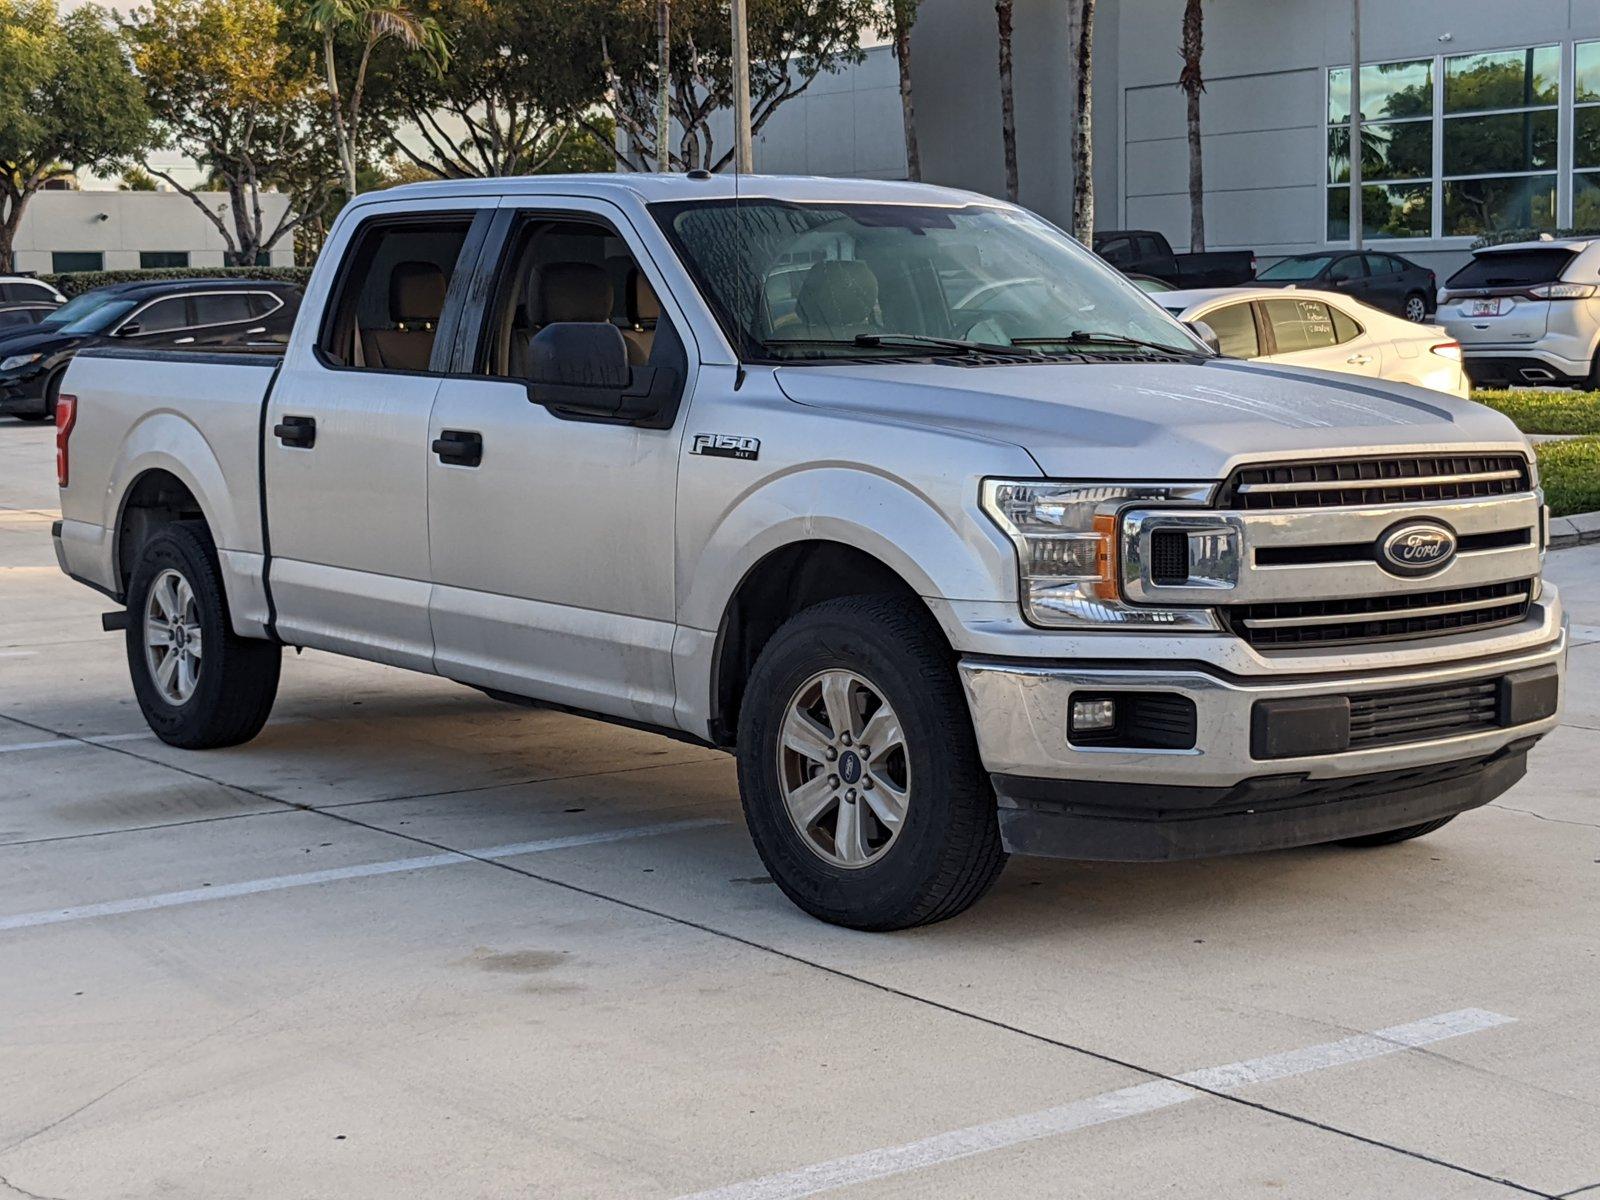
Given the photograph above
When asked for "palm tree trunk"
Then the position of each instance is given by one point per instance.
(904, 15)
(664, 100)
(1008, 101)
(341, 135)
(1083, 129)
(1193, 83)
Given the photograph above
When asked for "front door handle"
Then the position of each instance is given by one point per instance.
(296, 431)
(184, 341)
(459, 447)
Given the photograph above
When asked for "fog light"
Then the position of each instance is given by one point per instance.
(1090, 715)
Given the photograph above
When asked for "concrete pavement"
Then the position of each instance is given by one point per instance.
(411, 942)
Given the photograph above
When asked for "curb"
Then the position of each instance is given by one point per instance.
(1580, 529)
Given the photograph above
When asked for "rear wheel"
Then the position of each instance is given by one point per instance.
(199, 685)
(1392, 836)
(859, 772)
(1416, 307)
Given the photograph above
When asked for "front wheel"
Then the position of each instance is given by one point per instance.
(859, 772)
(199, 684)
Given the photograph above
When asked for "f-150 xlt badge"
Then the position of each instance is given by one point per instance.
(726, 445)
(1416, 548)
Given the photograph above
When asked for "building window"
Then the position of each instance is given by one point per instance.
(150, 260)
(1586, 135)
(1500, 116)
(63, 262)
(1397, 103)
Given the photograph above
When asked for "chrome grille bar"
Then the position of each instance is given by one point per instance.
(1321, 485)
(1346, 618)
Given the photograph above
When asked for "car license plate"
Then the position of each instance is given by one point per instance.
(1484, 308)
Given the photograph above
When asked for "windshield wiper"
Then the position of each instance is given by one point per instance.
(914, 341)
(1087, 337)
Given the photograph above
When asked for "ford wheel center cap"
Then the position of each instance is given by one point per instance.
(1416, 548)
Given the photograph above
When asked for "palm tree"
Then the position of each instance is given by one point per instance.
(373, 22)
(1008, 104)
(1083, 128)
(1193, 83)
(902, 16)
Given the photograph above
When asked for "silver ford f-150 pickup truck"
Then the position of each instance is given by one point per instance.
(960, 543)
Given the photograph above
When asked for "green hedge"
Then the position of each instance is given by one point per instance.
(1546, 412)
(1570, 475)
(74, 283)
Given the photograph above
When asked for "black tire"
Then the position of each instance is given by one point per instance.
(1592, 384)
(52, 389)
(237, 679)
(948, 851)
(1406, 307)
(1392, 836)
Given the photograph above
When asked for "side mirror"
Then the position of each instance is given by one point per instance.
(1206, 334)
(580, 368)
(132, 329)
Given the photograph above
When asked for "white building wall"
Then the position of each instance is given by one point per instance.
(843, 124)
(121, 224)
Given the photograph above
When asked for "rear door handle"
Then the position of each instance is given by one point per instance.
(184, 341)
(1359, 360)
(296, 431)
(459, 447)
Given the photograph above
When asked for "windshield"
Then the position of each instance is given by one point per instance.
(796, 282)
(1295, 268)
(91, 312)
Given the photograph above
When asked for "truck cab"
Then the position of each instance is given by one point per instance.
(959, 543)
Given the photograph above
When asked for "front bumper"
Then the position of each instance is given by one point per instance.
(1217, 796)
(23, 394)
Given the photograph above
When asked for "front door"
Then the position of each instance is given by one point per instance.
(552, 535)
(346, 441)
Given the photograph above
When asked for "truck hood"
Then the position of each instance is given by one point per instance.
(1153, 420)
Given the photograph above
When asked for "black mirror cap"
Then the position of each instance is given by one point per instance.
(130, 330)
(1206, 334)
(579, 369)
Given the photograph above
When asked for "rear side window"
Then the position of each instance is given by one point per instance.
(1235, 327)
(222, 309)
(384, 315)
(1344, 327)
(1300, 325)
(1513, 268)
(262, 303)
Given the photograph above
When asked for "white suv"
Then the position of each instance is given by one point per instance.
(1528, 313)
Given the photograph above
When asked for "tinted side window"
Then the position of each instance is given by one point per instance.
(1348, 267)
(16, 318)
(391, 291)
(221, 309)
(1117, 250)
(163, 316)
(262, 303)
(1235, 327)
(1344, 327)
(1149, 247)
(1300, 325)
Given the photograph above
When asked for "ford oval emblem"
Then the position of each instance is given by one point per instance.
(1417, 548)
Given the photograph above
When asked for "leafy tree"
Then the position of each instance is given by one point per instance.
(372, 23)
(228, 91)
(137, 179)
(68, 99)
(519, 73)
(1192, 83)
(895, 23)
(791, 43)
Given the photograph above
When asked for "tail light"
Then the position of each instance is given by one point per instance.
(1562, 291)
(1450, 350)
(66, 418)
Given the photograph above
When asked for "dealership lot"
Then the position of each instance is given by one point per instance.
(411, 941)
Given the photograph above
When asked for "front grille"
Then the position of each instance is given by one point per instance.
(1424, 713)
(1169, 557)
(1365, 481)
(1297, 623)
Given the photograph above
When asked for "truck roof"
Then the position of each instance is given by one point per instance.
(653, 188)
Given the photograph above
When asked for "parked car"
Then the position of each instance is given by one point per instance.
(1528, 313)
(27, 289)
(1387, 281)
(16, 316)
(1040, 574)
(1147, 252)
(217, 315)
(1150, 285)
(1324, 330)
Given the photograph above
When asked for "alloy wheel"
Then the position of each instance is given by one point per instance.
(172, 640)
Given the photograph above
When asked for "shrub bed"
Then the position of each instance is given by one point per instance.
(1570, 475)
(1546, 412)
(75, 283)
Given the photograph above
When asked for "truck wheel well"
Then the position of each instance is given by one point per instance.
(782, 584)
(156, 499)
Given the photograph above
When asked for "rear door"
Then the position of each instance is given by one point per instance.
(1315, 333)
(1488, 302)
(222, 320)
(346, 433)
(1386, 284)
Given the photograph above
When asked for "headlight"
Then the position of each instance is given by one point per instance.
(19, 360)
(1066, 535)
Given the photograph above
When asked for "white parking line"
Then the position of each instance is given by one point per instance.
(278, 883)
(1098, 1110)
(66, 743)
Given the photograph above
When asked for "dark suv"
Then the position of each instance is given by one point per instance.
(215, 315)
(1385, 281)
